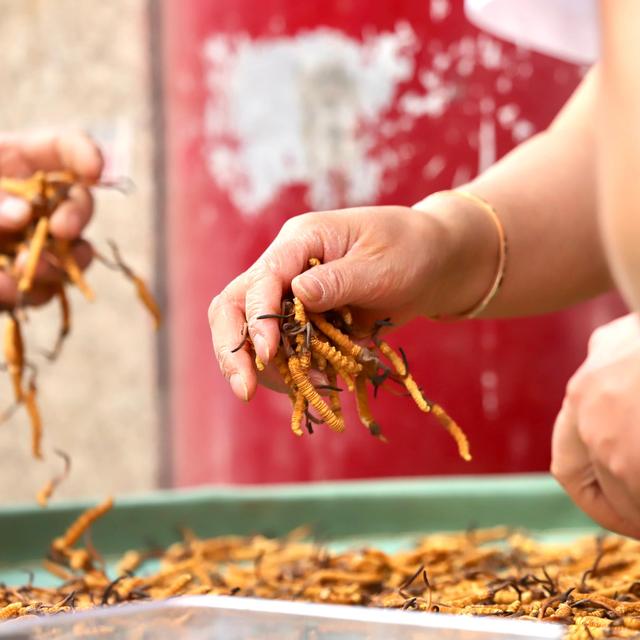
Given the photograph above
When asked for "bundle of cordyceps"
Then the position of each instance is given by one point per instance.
(590, 585)
(45, 192)
(325, 342)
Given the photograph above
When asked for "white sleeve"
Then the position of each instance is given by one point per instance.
(566, 29)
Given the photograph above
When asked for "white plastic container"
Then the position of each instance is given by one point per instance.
(228, 618)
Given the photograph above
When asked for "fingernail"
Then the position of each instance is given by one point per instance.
(15, 209)
(239, 386)
(262, 348)
(310, 288)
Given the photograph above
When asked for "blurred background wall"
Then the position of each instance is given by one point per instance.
(84, 63)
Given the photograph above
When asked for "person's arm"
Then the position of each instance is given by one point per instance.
(596, 438)
(619, 143)
(545, 194)
(399, 263)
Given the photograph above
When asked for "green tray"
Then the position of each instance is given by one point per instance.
(385, 513)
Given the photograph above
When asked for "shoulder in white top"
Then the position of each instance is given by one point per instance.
(566, 29)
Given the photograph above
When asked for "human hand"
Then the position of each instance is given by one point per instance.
(596, 438)
(20, 156)
(381, 261)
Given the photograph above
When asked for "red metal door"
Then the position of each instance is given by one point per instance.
(278, 107)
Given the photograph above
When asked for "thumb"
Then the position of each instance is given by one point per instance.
(15, 213)
(334, 284)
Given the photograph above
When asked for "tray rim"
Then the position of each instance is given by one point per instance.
(334, 510)
(504, 484)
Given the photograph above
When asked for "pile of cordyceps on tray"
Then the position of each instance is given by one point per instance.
(590, 585)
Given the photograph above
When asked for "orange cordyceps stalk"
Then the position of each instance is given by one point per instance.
(80, 525)
(14, 354)
(44, 495)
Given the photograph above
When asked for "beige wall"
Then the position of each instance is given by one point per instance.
(85, 63)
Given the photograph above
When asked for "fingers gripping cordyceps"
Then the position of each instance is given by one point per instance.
(49, 269)
(72, 216)
(263, 298)
(228, 331)
(323, 340)
(44, 192)
(71, 150)
(288, 255)
(345, 281)
(35, 264)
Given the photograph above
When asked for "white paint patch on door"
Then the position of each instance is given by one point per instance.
(303, 109)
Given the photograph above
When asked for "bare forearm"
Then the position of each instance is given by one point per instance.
(619, 143)
(545, 194)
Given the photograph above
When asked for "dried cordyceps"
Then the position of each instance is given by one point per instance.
(591, 585)
(45, 191)
(324, 342)
(47, 490)
(63, 544)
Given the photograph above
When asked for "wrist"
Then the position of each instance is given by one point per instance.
(469, 250)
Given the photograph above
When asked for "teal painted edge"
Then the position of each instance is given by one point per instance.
(333, 510)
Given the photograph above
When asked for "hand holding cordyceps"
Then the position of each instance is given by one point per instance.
(20, 156)
(381, 261)
(596, 437)
(45, 203)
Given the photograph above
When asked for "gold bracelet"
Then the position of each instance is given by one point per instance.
(478, 308)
